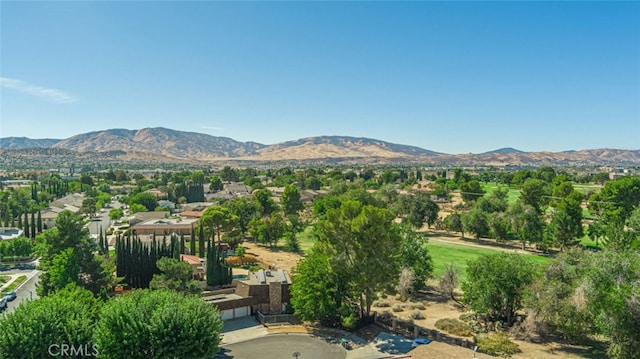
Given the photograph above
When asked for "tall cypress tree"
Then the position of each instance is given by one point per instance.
(182, 244)
(192, 242)
(26, 225)
(39, 222)
(33, 225)
(201, 241)
(218, 272)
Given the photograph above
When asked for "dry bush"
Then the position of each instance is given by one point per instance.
(416, 314)
(449, 281)
(497, 344)
(397, 308)
(405, 283)
(419, 306)
(455, 327)
(381, 303)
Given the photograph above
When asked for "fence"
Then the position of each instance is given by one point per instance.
(266, 319)
(409, 330)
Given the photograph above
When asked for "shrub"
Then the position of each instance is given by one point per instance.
(455, 327)
(416, 314)
(419, 306)
(497, 344)
(397, 308)
(382, 303)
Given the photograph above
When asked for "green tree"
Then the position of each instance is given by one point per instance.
(535, 192)
(565, 228)
(69, 233)
(453, 222)
(148, 200)
(216, 219)
(137, 207)
(418, 209)
(216, 184)
(66, 317)
(268, 230)
(116, 213)
(245, 210)
(89, 206)
(176, 275)
(617, 198)
(556, 298)
(414, 255)
(158, 324)
(495, 285)
(476, 221)
(471, 191)
(64, 269)
(362, 242)
(218, 272)
(265, 202)
(613, 298)
(526, 223)
(290, 200)
(317, 292)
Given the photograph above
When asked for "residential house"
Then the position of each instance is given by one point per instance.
(147, 216)
(165, 226)
(197, 265)
(266, 291)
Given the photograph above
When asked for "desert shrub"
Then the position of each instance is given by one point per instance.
(497, 344)
(419, 306)
(416, 314)
(455, 327)
(234, 261)
(397, 308)
(249, 259)
(381, 303)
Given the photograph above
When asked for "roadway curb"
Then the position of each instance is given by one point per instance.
(33, 274)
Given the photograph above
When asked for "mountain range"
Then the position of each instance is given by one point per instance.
(171, 146)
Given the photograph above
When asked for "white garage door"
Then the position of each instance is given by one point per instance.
(227, 314)
(242, 312)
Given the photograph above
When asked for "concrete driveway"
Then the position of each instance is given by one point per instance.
(279, 346)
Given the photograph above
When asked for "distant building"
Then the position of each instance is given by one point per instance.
(620, 172)
(7, 233)
(165, 226)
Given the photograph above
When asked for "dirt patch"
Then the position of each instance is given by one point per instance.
(268, 256)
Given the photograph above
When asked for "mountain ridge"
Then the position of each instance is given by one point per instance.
(173, 145)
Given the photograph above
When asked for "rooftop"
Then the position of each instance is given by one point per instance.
(267, 276)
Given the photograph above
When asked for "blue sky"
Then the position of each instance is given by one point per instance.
(452, 77)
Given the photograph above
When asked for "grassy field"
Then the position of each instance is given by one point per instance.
(306, 239)
(490, 187)
(445, 253)
(587, 188)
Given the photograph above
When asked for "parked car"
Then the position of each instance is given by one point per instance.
(420, 341)
(10, 296)
(3, 304)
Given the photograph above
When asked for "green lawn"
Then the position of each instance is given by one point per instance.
(13, 285)
(587, 188)
(512, 194)
(444, 253)
(306, 239)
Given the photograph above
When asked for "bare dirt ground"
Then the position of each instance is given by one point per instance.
(269, 256)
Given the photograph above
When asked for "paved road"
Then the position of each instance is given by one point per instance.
(27, 290)
(278, 346)
(104, 222)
